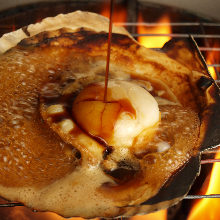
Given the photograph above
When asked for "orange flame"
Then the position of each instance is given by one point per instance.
(154, 41)
(24, 213)
(53, 216)
(208, 209)
(212, 71)
(119, 13)
(159, 215)
(211, 58)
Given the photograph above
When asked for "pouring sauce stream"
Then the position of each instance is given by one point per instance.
(108, 50)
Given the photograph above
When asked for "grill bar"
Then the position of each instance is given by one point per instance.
(207, 44)
(217, 49)
(11, 204)
(211, 196)
(210, 49)
(182, 24)
(214, 65)
(211, 151)
(179, 35)
(152, 24)
(210, 161)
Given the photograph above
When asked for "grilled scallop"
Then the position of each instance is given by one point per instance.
(63, 148)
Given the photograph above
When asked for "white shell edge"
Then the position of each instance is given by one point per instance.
(74, 21)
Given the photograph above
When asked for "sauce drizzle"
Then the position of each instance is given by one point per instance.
(108, 50)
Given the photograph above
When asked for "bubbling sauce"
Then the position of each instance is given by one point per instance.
(48, 160)
(118, 159)
(28, 146)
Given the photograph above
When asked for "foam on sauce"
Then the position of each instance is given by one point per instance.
(67, 196)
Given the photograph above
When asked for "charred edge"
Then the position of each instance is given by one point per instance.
(93, 38)
(180, 43)
(79, 39)
(212, 135)
(124, 41)
(43, 38)
(179, 184)
(173, 43)
(124, 172)
(204, 83)
(25, 30)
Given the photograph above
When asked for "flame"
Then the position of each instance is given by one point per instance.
(53, 216)
(119, 12)
(208, 209)
(212, 71)
(159, 215)
(154, 41)
(212, 58)
(18, 213)
(24, 213)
